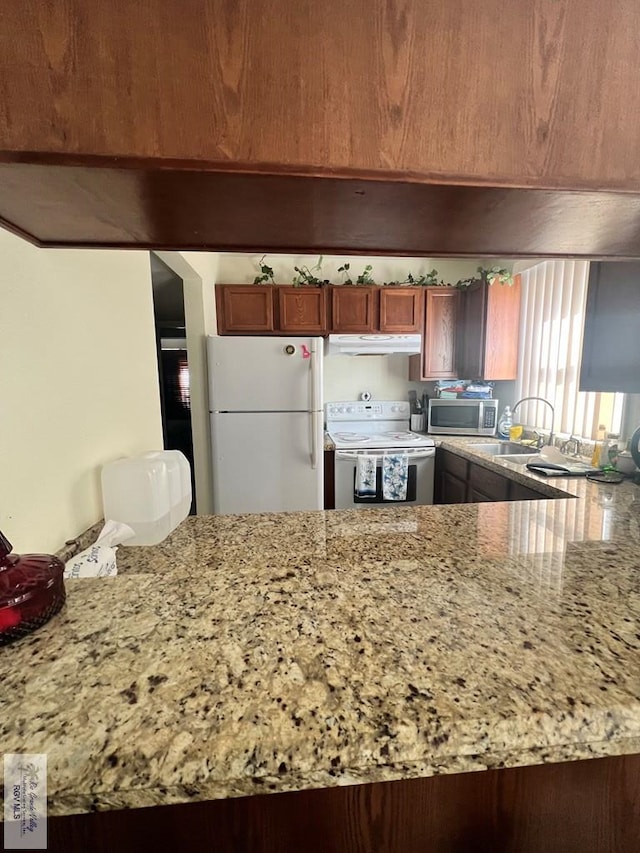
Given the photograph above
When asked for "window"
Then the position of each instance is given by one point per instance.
(554, 295)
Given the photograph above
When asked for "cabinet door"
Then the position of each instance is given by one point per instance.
(329, 479)
(489, 485)
(502, 331)
(450, 478)
(489, 331)
(353, 308)
(454, 490)
(611, 343)
(473, 312)
(518, 492)
(244, 308)
(440, 332)
(401, 309)
(302, 309)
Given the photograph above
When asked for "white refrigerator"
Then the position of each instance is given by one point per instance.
(265, 403)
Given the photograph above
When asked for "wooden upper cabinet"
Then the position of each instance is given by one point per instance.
(302, 309)
(400, 310)
(96, 78)
(353, 308)
(489, 331)
(234, 140)
(611, 341)
(438, 359)
(244, 308)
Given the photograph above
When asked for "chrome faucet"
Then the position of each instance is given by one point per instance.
(577, 446)
(542, 400)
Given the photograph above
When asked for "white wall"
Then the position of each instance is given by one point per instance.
(345, 377)
(78, 383)
(385, 376)
(198, 271)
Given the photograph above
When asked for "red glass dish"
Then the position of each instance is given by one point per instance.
(31, 591)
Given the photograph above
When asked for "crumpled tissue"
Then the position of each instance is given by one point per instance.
(99, 560)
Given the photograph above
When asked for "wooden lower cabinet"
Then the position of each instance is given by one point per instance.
(518, 492)
(575, 807)
(453, 489)
(329, 479)
(457, 480)
(487, 485)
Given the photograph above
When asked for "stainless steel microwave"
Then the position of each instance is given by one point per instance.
(462, 417)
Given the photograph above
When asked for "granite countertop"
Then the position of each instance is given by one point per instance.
(257, 653)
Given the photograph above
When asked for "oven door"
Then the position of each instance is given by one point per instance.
(420, 477)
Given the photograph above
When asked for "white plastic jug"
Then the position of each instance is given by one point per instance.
(151, 493)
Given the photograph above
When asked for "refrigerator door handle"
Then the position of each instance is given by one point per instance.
(314, 403)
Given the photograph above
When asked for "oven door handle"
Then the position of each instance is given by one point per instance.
(412, 454)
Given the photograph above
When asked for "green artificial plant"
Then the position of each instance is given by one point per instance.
(266, 273)
(494, 274)
(309, 276)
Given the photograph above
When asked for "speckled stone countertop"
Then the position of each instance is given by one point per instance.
(249, 654)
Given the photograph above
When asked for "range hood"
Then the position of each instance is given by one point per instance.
(373, 344)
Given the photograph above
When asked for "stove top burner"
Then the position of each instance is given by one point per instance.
(352, 436)
(403, 435)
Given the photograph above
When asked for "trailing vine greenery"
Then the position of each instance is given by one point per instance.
(312, 276)
(490, 275)
(365, 276)
(266, 273)
(306, 275)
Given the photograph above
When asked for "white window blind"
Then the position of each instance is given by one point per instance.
(554, 297)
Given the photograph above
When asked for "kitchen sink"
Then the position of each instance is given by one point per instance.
(505, 448)
(520, 458)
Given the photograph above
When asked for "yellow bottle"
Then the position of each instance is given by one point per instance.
(597, 447)
(515, 433)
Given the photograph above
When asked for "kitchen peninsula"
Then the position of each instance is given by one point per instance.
(302, 651)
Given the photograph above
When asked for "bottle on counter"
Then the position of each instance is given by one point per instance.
(505, 423)
(598, 447)
(609, 457)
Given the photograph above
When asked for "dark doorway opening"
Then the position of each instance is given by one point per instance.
(173, 361)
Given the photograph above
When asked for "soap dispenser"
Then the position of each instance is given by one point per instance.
(505, 423)
(31, 591)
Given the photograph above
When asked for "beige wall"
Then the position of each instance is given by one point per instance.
(198, 272)
(78, 383)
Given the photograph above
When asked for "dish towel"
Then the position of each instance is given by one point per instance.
(395, 473)
(366, 476)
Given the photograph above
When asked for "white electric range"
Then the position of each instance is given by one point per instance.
(376, 428)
